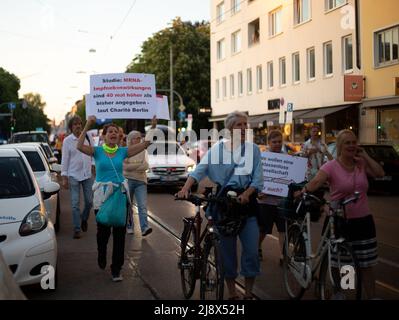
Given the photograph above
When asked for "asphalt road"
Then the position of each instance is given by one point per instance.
(150, 270)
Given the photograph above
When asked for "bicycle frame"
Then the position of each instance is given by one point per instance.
(313, 259)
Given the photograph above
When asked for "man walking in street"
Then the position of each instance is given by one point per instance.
(76, 172)
(316, 151)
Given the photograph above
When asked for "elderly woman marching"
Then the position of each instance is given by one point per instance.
(109, 179)
(134, 169)
(225, 165)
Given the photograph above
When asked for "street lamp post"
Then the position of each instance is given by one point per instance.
(181, 107)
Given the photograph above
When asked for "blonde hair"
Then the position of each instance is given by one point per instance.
(340, 139)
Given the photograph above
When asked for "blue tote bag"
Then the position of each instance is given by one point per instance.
(112, 212)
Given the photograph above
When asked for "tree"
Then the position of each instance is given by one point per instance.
(191, 64)
(33, 116)
(9, 86)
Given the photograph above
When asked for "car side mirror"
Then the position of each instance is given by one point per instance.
(53, 160)
(50, 188)
(55, 167)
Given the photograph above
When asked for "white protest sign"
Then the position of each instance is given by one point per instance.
(279, 170)
(162, 107)
(89, 106)
(123, 96)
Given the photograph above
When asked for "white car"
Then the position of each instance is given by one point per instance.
(27, 238)
(169, 164)
(43, 174)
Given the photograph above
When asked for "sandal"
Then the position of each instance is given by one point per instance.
(248, 297)
(234, 298)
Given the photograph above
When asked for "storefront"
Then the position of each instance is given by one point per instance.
(330, 120)
(386, 125)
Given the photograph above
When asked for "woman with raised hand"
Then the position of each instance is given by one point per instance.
(346, 175)
(109, 177)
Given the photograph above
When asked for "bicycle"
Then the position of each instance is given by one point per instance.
(334, 257)
(200, 254)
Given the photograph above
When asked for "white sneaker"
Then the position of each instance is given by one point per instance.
(129, 230)
(117, 277)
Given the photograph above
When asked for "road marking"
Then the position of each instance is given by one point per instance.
(387, 286)
(389, 262)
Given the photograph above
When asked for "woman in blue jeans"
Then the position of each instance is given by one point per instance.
(134, 169)
(239, 162)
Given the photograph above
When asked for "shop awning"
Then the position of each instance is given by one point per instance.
(254, 121)
(320, 113)
(217, 118)
(375, 103)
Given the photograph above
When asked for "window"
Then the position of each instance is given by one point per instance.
(240, 84)
(232, 86)
(296, 71)
(253, 33)
(270, 80)
(347, 53)
(235, 6)
(311, 63)
(387, 46)
(224, 87)
(328, 59)
(332, 4)
(249, 80)
(283, 74)
(217, 90)
(236, 42)
(275, 26)
(221, 49)
(15, 178)
(220, 12)
(259, 84)
(301, 11)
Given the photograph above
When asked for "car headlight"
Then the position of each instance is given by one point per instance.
(191, 168)
(34, 222)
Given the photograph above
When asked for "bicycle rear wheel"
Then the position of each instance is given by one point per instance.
(340, 276)
(187, 260)
(212, 280)
(294, 263)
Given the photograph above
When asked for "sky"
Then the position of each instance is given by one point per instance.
(53, 46)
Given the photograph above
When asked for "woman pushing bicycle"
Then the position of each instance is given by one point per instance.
(234, 164)
(347, 175)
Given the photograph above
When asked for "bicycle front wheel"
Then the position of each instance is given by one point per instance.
(212, 280)
(187, 260)
(295, 264)
(340, 274)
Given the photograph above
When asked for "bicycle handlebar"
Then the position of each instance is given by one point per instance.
(196, 200)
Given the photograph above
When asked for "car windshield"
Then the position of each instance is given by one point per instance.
(160, 148)
(382, 153)
(30, 137)
(34, 160)
(15, 179)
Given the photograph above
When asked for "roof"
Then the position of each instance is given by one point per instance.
(9, 152)
(29, 132)
(21, 146)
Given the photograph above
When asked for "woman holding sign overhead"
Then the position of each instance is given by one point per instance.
(268, 214)
(109, 186)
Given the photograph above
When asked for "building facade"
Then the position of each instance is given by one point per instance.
(270, 56)
(379, 35)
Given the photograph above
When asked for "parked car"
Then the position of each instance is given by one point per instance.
(199, 148)
(27, 237)
(43, 174)
(9, 289)
(169, 164)
(30, 136)
(387, 157)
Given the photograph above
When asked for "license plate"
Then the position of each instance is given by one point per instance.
(169, 178)
(386, 178)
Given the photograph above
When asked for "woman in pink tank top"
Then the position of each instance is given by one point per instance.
(345, 175)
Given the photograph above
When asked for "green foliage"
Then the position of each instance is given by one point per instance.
(33, 116)
(9, 86)
(191, 65)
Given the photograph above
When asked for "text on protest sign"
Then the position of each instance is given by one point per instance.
(279, 170)
(123, 96)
